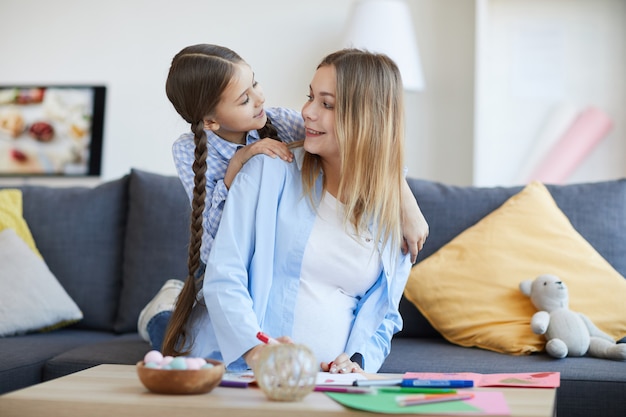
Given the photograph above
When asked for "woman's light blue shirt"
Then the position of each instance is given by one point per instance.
(253, 271)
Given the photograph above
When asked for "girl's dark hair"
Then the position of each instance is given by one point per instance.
(268, 131)
(198, 76)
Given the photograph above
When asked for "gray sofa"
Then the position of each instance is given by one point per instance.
(114, 245)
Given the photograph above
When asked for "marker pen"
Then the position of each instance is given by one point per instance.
(344, 389)
(417, 390)
(376, 382)
(268, 340)
(437, 383)
(416, 399)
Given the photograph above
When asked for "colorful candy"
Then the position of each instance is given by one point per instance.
(155, 360)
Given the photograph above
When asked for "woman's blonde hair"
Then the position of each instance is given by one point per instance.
(369, 122)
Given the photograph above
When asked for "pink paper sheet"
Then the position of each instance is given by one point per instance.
(519, 380)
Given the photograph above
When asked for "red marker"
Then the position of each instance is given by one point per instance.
(266, 339)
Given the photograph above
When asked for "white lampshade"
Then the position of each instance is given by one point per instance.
(385, 26)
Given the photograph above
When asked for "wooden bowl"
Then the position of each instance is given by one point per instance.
(170, 381)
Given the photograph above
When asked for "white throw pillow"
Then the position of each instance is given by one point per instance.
(31, 299)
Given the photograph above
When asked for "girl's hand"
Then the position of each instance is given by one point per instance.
(267, 146)
(341, 365)
(414, 226)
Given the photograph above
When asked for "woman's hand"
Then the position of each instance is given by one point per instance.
(270, 147)
(252, 355)
(341, 365)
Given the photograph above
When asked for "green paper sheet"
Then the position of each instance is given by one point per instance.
(385, 402)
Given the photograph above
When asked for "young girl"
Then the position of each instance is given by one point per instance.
(214, 90)
(312, 250)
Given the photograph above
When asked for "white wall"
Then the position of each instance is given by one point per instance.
(128, 45)
(535, 60)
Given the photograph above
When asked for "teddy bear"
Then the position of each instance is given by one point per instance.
(568, 333)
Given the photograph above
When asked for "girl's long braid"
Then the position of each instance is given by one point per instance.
(175, 341)
(199, 196)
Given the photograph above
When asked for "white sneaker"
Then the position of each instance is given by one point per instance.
(164, 300)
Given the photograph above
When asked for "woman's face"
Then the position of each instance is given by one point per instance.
(319, 115)
(240, 108)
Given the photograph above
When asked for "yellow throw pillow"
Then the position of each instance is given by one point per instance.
(468, 289)
(11, 216)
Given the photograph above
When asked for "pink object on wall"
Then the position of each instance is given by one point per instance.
(559, 121)
(585, 132)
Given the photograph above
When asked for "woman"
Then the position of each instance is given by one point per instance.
(311, 250)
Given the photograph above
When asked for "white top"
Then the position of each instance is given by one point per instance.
(329, 291)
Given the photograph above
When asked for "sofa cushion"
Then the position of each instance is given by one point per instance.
(126, 349)
(156, 242)
(80, 233)
(596, 210)
(469, 288)
(23, 357)
(36, 300)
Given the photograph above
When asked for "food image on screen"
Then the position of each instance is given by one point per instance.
(51, 130)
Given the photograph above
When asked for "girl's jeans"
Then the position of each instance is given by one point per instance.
(157, 325)
(156, 328)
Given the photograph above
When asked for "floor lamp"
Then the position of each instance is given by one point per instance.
(386, 26)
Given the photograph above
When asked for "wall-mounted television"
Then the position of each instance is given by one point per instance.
(51, 130)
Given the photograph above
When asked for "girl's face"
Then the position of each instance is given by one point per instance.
(240, 108)
(319, 115)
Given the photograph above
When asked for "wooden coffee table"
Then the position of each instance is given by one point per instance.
(115, 391)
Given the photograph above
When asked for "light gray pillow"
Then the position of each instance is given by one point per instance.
(80, 233)
(32, 299)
